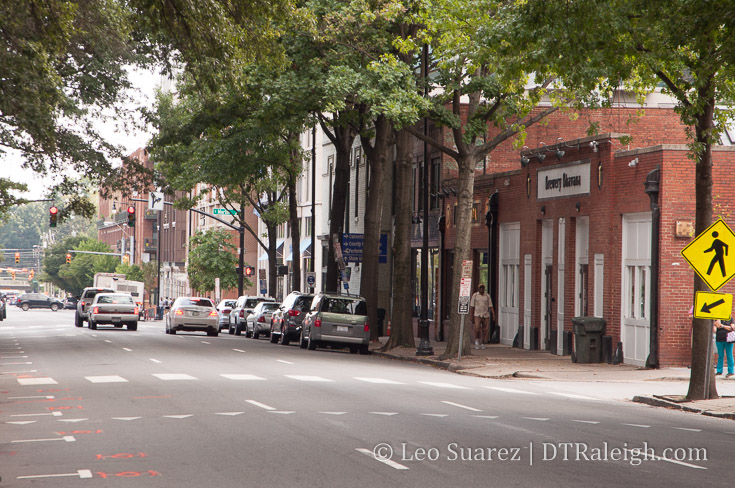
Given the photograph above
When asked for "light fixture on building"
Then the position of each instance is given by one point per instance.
(559, 152)
(577, 206)
(593, 145)
(524, 159)
(543, 209)
(633, 163)
(539, 155)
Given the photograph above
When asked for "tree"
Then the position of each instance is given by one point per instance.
(212, 255)
(132, 272)
(683, 47)
(79, 274)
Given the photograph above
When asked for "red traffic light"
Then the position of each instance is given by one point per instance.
(131, 209)
(249, 271)
(53, 210)
(131, 216)
(53, 214)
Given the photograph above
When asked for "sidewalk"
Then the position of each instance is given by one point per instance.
(499, 361)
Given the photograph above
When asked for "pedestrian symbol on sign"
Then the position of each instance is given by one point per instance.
(720, 249)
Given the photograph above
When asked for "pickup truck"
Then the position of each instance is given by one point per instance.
(85, 300)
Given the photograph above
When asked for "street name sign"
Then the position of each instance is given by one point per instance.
(715, 306)
(224, 211)
(712, 255)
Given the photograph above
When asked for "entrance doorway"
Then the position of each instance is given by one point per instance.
(636, 286)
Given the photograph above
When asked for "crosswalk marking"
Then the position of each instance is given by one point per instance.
(444, 385)
(511, 390)
(173, 376)
(242, 377)
(380, 381)
(105, 379)
(308, 378)
(37, 381)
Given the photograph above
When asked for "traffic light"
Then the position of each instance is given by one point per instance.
(17, 257)
(249, 271)
(53, 215)
(68, 258)
(131, 216)
(13, 273)
(30, 275)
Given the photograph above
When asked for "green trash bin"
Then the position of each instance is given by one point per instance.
(588, 332)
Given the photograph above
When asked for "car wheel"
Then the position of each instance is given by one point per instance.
(256, 335)
(215, 333)
(238, 330)
(25, 307)
(364, 349)
(133, 326)
(285, 341)
(54, 307)
(231, 329)
(274, 338)
(302, 340)
(92, 325)
(353, 349)
(172, 331)
(78, 320)
(248, 334)
(311, 344)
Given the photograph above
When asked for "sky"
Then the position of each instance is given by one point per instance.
(145, 84)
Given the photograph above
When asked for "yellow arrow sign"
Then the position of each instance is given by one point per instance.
(712, 305)
(712, 255)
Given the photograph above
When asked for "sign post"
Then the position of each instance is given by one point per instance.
(465, 288)
(712, 256)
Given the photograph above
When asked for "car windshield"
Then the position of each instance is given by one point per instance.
(303, 304)
(344, 306)
(252, 302)
(127, 299)
(93, 293)
(270, 306)
(227, 303)
(194, 302)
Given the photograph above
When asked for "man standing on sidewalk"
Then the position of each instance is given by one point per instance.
(481, 306)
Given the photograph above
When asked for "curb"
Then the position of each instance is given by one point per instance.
(657, 401)
(431, 362)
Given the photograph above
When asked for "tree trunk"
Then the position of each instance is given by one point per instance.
(272, 278)
(377, 159)
(462, 250)
(402, 323)
(343, 139)
(293, 217)
(702, 328)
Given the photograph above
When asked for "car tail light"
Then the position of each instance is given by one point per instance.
(179, 312)
(95, 310)
(318, 323)
(293, 313)
(83, 305)
(242, 313)
(226, 312)
(213, 313)
(261, 319)
(135, 311)
(367, 327)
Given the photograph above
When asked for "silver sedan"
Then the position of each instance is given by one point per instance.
(193, 314)
(117, 309)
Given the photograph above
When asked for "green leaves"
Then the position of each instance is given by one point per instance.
(212, 255)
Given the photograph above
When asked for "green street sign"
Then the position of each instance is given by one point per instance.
(224, 211)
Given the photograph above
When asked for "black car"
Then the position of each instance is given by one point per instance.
(286, 321)
(38, 300)
(70, 303)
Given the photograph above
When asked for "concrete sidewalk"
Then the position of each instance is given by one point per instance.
(504, 362)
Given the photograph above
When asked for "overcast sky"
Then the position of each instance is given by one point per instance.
(145, 84)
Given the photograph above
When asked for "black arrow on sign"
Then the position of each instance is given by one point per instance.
(706, 308)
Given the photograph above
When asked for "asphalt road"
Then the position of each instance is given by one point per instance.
(144, 409)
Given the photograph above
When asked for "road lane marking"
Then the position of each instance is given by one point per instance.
(47, 397)
(586, 422)
(539, 419)
(13, 357)
(284, 362)
(37, 381)
(387, 462)
(72, 420)
(688, 430)
(52, 414)
(242, 377)
(106, 340)
(435, 414)
(261, 405)
(173, 377)
(155, 361)
(238, 350)
(82, 473)
(126, 418)
(444, 385)
(511, 390)
(387, 414)
(106, 379)
(22, 422)
(126, 349)
(574, 396)
(492, 417)
(308, 378)
(333, 413)
(14, 363)
(639, 425)
(178, 417)
(472, 409)
(66, 438)
(282, 412)
(205, 342)
(230, 414)
(379, 381)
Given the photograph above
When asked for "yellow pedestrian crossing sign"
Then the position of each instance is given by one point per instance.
(712, 305)
(712, 255)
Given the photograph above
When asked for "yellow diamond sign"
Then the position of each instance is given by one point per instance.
(712, 255)
(712, 305)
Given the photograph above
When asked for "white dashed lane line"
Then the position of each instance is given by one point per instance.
(242, 377)
(593, 422)
(238, 350)
(37, 381)
(444, 385)
(639, 426)
(309, 378)
(261, 405)
(387, 462)
(379, 381)
(173, 377)
(156, 361)
(66, 438)
(472, 409)
(284, 362)
(106, 379)
(511, 390)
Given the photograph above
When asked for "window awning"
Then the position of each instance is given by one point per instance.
(305, 244)
(279, 251)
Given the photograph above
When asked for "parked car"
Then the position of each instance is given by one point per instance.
(259, 322)
(38, 300)
(241, 310)
(193, 314)
(3, 307)
(287, 319)
(85, 300)
(337, 320)
(117, 309)
(224, 308)
(70, 303)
